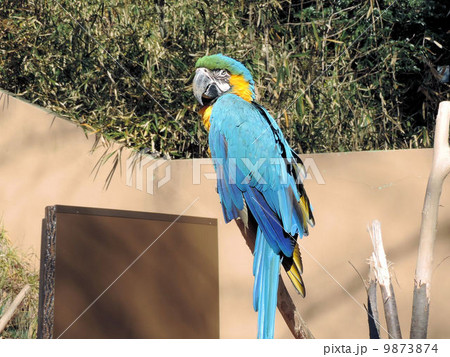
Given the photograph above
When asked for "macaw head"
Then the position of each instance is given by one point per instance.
(218, 74)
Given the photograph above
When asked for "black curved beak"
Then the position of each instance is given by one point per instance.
(205, 87)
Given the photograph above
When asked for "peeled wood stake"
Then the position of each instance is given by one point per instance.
(439, 171)
(7, 316)
(381, 270)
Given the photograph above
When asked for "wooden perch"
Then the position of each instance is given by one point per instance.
(7, 316)
(439, 170)
(290, 314)
(285, 304)
(382, 275)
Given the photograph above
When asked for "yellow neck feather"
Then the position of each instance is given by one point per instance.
(205, 112)
(240, 87)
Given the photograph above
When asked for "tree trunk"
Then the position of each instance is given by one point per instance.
(439, 170)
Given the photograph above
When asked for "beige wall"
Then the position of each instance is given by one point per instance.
(46, 160)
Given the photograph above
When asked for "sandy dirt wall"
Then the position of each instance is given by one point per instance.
(46, 160)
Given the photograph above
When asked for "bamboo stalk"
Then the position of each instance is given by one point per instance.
(439, 171)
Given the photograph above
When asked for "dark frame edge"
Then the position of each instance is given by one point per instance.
(134, 214)
(47, 275)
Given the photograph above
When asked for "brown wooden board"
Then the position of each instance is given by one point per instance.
(122, 274)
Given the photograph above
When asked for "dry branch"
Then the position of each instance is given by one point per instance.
(7, 316)
(290, 314)
(285, 305)
(439, 171)
(372, 307)
(381, 270)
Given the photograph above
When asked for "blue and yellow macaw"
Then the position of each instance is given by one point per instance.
(259, 175)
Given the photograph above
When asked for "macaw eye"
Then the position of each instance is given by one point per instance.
(222, 73)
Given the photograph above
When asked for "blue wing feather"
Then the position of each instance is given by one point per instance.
(242, 139)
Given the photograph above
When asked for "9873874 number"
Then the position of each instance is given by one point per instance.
(410, 348)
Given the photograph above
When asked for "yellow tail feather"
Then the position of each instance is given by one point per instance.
(294, 271)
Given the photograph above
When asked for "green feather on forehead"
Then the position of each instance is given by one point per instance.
(220, 61)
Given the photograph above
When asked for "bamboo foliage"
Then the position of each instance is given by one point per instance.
(338, 76)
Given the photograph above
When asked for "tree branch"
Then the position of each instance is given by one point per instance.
(7, 316)
(439, 171)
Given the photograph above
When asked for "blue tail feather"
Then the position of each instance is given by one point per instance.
(266, 269)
